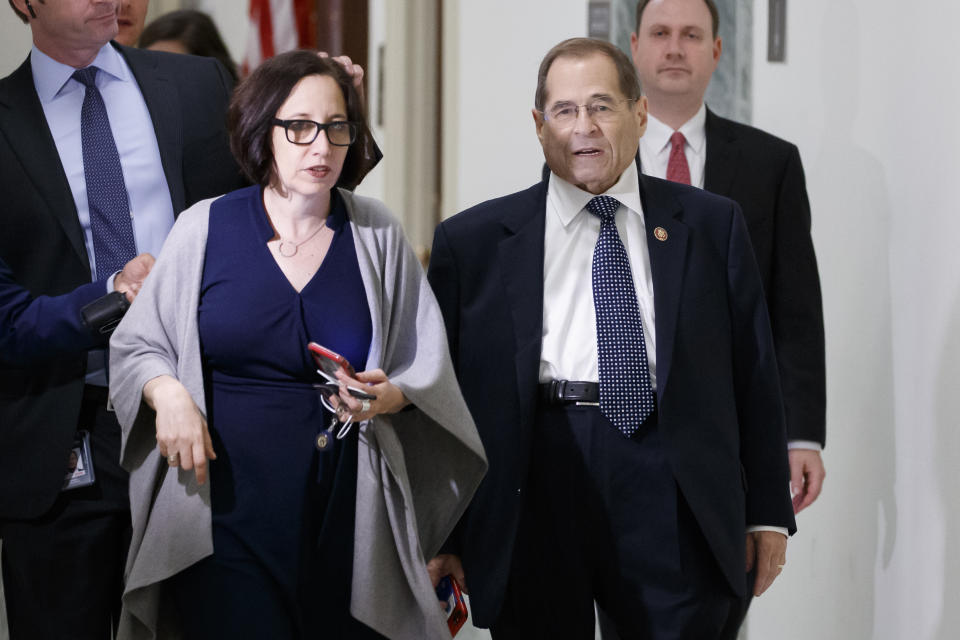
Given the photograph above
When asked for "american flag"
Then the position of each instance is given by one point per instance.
(277, 26)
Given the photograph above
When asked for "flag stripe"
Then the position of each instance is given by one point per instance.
(277, 26)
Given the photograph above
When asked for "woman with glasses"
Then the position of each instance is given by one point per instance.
(263, 508)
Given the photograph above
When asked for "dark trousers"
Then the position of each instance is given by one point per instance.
(730, 631)
(738, 611)
(63, 572)
(604, 521)
(234, 594)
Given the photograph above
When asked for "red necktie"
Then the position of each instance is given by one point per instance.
(677, 168)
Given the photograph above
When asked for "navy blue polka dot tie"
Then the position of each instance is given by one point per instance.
(626, 395)
(113, 241)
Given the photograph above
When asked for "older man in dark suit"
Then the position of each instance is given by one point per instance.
(101, 146)
(612, 342)
(675, 50)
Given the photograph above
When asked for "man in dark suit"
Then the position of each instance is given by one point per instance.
(611, 340)
(676, 49)
(34, 330)
(162, 117)
(764, 175)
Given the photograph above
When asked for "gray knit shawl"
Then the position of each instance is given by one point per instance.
(417, 470)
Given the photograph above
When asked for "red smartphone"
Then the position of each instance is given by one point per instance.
(452, 603)
(329, 361)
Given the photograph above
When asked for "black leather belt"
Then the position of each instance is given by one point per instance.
(567, 391)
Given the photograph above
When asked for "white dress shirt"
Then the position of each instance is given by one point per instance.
(151, 208)
(655, 146)
(569, 320)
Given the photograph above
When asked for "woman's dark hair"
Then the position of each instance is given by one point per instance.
(258, 98)
(195, 31)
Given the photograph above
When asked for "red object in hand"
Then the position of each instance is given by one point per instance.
(452, 603)
(329, 361)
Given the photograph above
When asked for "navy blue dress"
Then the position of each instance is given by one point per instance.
(283, 512)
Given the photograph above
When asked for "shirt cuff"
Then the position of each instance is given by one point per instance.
(805, 444)
(110, 280)
(761, 527)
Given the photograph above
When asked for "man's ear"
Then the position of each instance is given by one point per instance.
(634, 48)
(641, 111)
(24, 7)
(539, 122)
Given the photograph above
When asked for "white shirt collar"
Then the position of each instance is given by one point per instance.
(50, 76)
(694, 130)
(570, 200)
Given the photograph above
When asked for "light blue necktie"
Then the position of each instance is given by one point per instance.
(626, 395)
(113, 241)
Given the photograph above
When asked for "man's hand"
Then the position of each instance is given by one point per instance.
(355, 71)
(129, 281)
(447, 564)
(806, 477)
(767, 551)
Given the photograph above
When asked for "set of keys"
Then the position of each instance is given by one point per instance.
(328, 363)
(325, 437)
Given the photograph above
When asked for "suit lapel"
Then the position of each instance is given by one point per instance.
(163, 102)
(722, 154)
(24, 125)
(661, 210)
(520, 255)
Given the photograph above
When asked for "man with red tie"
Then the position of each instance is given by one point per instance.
(675, 50)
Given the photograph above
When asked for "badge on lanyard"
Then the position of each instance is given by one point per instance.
(79, 463)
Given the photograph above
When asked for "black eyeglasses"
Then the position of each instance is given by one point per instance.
(340, 133)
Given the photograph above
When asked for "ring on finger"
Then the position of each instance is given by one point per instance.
(780, 567)
(364, 406)
(173, 459)
(341, 411)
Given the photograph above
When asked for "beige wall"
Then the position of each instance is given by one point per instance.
(14, 41)
(870, 94)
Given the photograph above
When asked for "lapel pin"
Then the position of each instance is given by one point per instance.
(660, 234)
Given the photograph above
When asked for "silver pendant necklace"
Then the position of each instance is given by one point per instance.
(288, 248)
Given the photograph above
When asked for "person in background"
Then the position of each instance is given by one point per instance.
(188, 31)
(610, 337)
(133, 13)
(675, 50)
(318, 513)
(101, 146)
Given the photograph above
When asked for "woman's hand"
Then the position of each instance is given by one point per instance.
(447, 564)
(182, 434)
(390, 398)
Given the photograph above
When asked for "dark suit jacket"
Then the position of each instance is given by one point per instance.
(765, 176)
(38, 329)
(720, 413)
(42, 243)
